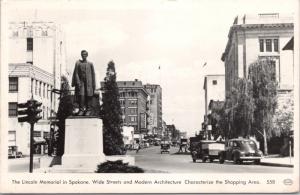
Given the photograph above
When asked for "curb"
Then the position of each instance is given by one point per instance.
(276, 164)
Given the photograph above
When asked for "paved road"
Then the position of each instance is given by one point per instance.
(153, 161)
(21, 165)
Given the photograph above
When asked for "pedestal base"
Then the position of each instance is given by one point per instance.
(83, 143)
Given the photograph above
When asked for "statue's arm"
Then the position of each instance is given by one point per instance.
(75, 77)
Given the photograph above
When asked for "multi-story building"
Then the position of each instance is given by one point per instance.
(36, 63)
(134, 105)
(253, 37)
(155, 106)
(214, 89)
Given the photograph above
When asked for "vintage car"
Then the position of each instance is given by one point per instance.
(239, 150)
(206, 149)
(165, 147)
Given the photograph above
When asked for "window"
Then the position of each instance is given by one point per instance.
(261, 45)
(13, 84)
(275, 45)
(44, 90)
(12, 109)
(40, 88)
(133, 102)
(215, 82)
(29, 44)
(15, 33)
(132, 119)
(132, 110)
(268, 45)
(46, 135)
(36, 87)
(44, 33)
(11, 135)
(37, 134)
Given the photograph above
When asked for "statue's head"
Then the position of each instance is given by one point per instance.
(84, 54)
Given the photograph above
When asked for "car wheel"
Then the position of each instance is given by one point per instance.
(257, 162)
(221, 159)
(204, 159)
(211, 160)
(194, 160)
(235, 159)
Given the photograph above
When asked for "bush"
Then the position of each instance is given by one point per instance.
(117, 167)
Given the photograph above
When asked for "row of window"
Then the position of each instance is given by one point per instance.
(13, 110)
(30, 33)
(40, 88)
(128, 94)
(39, 134)
(130, 110)
(268, 45)
(130, 102)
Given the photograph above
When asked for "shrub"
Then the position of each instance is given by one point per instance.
(117, 167)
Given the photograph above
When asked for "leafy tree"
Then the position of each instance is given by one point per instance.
(65, 110)
(263, 77)
(112, 114)
(237, 116)
(284, 118)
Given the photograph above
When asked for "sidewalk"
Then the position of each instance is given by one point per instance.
(279, 161)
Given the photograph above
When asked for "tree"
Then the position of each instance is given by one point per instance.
(238, 110)
(263, 77)
(65, 109)
(284, 118)
(112, 114)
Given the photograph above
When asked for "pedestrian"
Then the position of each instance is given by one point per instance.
(138, 146)
(180, 148)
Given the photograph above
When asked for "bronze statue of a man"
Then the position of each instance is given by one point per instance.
(84, 82)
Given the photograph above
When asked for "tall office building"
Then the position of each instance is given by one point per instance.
(36, 63)
(155, 105)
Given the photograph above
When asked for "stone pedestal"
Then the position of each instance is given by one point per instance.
(83, 143)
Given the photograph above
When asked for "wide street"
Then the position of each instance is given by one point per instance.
(152, 160)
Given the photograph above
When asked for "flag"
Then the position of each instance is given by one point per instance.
(204, 64)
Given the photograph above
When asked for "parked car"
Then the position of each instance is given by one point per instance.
(206, 149)
(13, 152)
(239, 150)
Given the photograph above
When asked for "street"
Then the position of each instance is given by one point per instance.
(152, 160)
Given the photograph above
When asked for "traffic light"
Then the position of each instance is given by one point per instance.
(30, 112)
(36, 111)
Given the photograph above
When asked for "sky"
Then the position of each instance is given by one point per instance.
(165, 42)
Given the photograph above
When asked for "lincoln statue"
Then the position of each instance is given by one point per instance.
(84, 82)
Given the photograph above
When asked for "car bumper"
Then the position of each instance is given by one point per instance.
(250, 157)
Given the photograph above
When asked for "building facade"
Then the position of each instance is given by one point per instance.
(214, 89)
(253, 37)
(36, 63)
(133, 101)
(155, 105)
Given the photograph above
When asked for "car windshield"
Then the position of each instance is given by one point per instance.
(248, 144)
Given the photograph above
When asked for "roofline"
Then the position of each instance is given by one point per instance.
(235, 27)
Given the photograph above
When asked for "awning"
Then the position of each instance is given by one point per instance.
(289, 45)
(39, 140)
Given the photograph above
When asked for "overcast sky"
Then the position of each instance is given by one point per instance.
(141, 36)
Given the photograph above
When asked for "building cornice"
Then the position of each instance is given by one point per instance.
(29, 70)
(245, 27)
